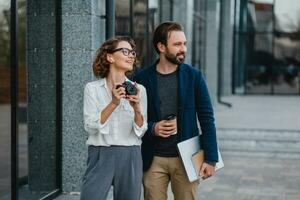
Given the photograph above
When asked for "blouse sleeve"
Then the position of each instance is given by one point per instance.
(140, 131)
(92, 113)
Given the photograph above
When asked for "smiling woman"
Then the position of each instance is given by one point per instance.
(101, 65)
(115, 118)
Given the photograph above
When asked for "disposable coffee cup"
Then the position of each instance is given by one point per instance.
(169, 118)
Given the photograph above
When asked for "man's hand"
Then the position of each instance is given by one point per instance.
(165, 128)
(206, 170)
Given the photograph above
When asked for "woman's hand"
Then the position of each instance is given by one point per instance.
(134, 100)
(117, 94)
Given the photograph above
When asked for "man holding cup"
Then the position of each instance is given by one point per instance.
(177, 95)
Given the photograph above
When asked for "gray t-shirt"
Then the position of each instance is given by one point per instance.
(167, 85)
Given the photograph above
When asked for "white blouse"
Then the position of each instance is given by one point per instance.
(119, 128)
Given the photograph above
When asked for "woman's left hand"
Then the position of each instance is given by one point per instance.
(134, 100)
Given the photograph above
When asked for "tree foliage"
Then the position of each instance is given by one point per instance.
(5, 35)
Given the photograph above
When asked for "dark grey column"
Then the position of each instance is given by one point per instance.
(212, 34)
(82, 33)
(227, 40)
(41, 63)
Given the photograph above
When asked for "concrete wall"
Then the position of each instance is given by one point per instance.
(212, 38)
(227, 12)
(82, 34)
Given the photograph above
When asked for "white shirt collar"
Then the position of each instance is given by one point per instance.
(102, 81)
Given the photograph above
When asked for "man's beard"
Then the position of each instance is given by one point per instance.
(174, 58)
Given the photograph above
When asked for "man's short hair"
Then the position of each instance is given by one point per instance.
(162, 31)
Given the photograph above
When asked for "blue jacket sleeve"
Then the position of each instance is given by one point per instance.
(206, 119)
(149, 133)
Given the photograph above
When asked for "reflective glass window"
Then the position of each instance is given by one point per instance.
(5, 101)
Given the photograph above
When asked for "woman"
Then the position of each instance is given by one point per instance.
(115, 122)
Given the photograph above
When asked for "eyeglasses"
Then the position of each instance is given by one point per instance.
(125, 51)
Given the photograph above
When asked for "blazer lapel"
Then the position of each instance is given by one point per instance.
(182, 81)
(153, 91)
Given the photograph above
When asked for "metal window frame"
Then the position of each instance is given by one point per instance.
(131, 13)
(110, 17)
(171, 9)
(58, 55)
(237, 33)
(14, 98)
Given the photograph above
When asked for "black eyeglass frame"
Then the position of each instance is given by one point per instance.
(125, 51)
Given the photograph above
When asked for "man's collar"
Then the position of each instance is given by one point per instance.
(179, 67)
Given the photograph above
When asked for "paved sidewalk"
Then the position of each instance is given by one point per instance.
(247, 175)
(253, 178)
(259, 112)
(251, 175)
(247, 178)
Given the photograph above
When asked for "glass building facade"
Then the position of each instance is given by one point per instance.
(42, 148)
(5, 100)
(267, 47)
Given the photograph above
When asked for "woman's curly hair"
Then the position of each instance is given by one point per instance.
(100, 64)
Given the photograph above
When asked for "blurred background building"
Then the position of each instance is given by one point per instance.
(46, 49)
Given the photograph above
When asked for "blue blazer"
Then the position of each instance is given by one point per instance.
(193, 101)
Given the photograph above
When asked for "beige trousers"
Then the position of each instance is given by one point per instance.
(164, 170)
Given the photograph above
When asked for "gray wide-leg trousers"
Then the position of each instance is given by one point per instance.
(120, 166)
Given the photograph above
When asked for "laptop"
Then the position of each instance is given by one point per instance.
(192, 156)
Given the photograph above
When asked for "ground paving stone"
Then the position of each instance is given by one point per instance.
(247, 175)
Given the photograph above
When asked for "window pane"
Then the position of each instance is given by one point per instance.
(153, 21)
(198, 40)
(5, 102)
(259, 63)
(260, 16)
(166, 12)
(123, 17)
(287, 47)
(140, 29)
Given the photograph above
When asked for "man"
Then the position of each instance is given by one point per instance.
(174, 87)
